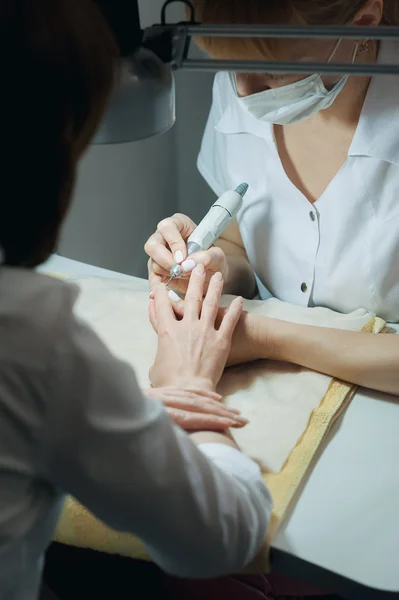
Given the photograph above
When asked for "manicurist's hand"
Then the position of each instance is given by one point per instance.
(167, 246)
(192, 352)
(197, 410)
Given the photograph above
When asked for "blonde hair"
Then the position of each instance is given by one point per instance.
(273, 12)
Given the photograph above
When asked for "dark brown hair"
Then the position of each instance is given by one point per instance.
(299, 12)
(57, 61)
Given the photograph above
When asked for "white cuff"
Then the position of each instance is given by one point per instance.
(232, 461)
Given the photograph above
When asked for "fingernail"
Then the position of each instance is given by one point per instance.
(242, 420)
(151, 296)
(218, 277)
(188, 265)
(179, 257)
(173, 296)
(199, 270)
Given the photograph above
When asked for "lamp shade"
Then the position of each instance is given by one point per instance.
(143, 102)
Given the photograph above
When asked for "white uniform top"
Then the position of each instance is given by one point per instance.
(341, 252)
(72, 419)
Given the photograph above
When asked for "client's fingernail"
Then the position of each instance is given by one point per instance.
(179, 257)
(199, 270)
(218, 277)
(241, 420)
(173, 296)
(188, 265)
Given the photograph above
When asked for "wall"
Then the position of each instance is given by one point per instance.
(124, 191)
(194, 93)
(193, 100)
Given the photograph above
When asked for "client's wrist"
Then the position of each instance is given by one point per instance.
(282, 338)
(265, 337)
(250, 341)
(192, 384)
(255, 333)
(181, 380)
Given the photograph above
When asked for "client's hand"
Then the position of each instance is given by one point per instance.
(197, 410)
(191, 351)
(254, 336)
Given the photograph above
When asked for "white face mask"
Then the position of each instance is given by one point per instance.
(295, 102)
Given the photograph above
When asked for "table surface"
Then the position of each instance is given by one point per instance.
(346, 519)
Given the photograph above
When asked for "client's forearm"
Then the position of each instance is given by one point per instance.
(365, 359)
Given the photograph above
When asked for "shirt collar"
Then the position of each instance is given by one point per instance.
(377, 134)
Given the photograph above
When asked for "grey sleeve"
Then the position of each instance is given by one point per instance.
(201, 512)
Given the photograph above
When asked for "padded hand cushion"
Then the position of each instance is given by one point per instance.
(291, 409)
(277, 398)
